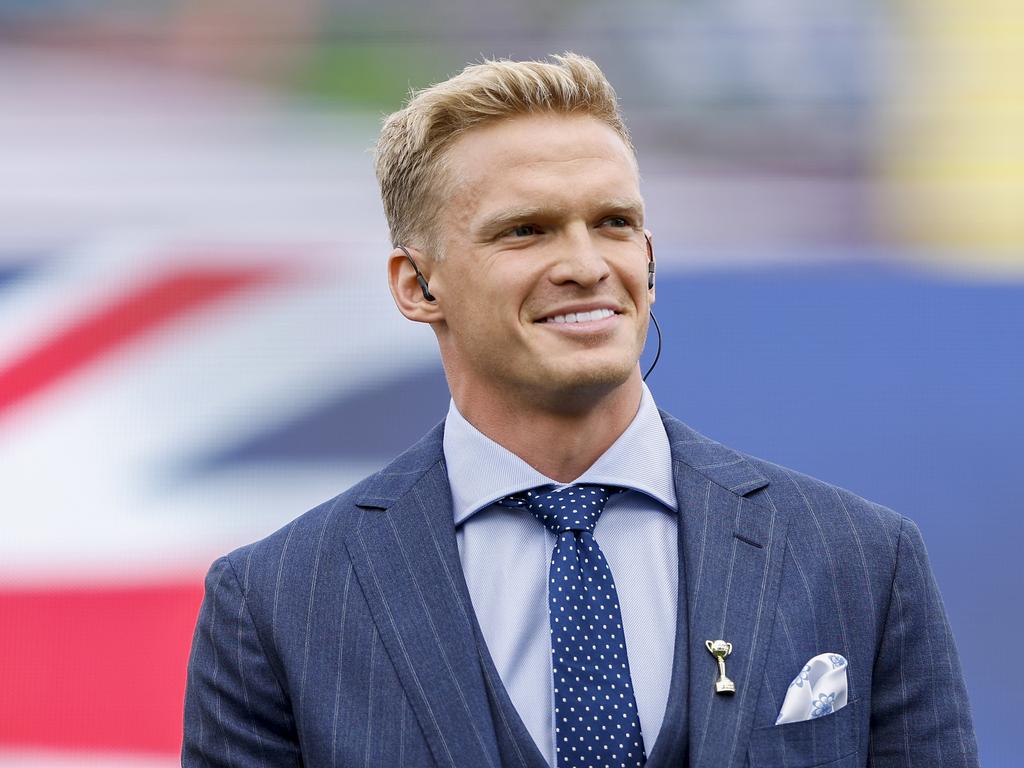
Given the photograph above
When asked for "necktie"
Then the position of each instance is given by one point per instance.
(596, 721)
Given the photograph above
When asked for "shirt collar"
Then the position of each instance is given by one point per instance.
(480, 471)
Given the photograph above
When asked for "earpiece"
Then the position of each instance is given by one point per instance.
(419, 275)
(650, 285)
(650, 262)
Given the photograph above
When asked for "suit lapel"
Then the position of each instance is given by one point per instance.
(731, 549)
(407, 562)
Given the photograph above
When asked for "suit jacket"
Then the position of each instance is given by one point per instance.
(348, 637)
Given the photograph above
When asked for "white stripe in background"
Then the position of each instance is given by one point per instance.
(63, 759)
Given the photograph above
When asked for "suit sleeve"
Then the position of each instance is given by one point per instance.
(236, 711)
(920, 714)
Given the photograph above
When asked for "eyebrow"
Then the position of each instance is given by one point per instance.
(499, 222)
(508, 218)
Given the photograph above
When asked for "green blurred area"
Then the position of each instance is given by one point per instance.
(372, 75)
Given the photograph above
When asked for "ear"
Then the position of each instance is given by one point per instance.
(406, 290)
(649, 248)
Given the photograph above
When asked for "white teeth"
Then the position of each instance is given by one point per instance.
(581, 317)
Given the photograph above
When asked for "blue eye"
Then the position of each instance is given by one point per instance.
(523, 230)
(618, 222)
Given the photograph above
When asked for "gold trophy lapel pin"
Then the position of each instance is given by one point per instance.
(720, 649)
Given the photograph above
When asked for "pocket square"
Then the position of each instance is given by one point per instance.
(819, 689)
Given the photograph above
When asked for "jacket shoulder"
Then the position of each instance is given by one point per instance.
(810, 504)
(833, 526)
(300, 538)
(299, 543)
(835, 508)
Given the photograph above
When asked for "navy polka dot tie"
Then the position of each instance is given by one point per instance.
(596, 721)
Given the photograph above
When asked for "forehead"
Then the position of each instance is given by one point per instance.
(562, 159)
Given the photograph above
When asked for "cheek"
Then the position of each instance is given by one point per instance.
(480, 318)
(499, 297)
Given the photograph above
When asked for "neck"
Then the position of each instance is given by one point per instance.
(559, 439)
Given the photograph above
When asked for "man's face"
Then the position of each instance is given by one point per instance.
(545, 224)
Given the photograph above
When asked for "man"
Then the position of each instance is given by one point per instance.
(559, 573)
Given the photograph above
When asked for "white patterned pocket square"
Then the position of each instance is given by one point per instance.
(819, 689)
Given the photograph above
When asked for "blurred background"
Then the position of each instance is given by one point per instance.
(197, 342)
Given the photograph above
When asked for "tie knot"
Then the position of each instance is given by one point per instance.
(573, 508)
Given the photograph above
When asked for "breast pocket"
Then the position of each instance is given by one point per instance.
(824, 741)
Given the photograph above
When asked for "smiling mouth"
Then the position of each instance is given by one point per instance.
(574, 318)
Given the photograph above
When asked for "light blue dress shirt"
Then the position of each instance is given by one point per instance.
(506, 554)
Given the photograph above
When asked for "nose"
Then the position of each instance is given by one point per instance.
(579, 259)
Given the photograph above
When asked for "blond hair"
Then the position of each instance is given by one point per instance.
(410, 153)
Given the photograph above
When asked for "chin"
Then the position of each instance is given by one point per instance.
(592, 378)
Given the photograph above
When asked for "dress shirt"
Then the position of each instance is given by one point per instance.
(506, 554)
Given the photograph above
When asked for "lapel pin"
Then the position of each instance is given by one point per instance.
(720, 649)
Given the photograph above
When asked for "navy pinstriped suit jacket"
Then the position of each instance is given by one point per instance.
(348, 637)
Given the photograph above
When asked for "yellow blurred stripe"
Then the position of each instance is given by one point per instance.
(952, 156)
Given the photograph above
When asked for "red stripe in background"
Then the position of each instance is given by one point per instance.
(94, 336)
(99, 669)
